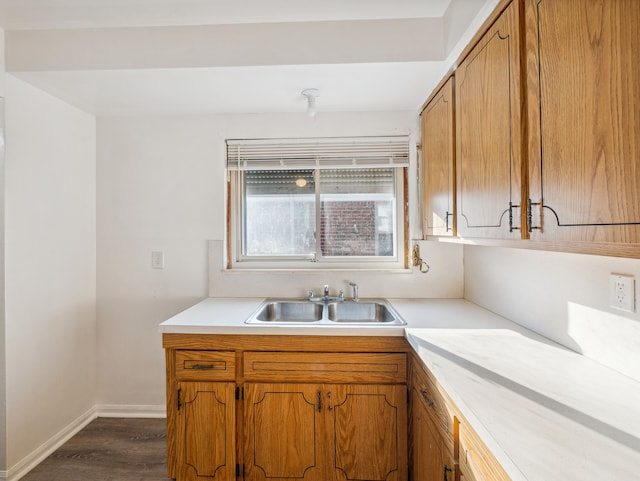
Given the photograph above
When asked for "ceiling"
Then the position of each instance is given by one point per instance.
(145, 57)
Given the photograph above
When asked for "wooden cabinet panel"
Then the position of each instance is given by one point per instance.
(322, 366)
(430, 458)
(284, 432)
(438, 163)
(205, 365)
(435, 406)
(325, 431)
(488, 132)
(369, 425)
(205, 444)
(584, 119)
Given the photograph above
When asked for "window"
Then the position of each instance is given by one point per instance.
(316, 203)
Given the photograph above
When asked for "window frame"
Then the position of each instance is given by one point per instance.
(236, 259)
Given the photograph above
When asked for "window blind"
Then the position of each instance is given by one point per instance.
(318, 153)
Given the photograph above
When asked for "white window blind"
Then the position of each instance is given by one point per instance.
(318, 153)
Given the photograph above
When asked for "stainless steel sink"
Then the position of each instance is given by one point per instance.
(367, 312)
(360, 312)
(290, 311)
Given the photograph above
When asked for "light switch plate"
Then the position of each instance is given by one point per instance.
(157, 259)
(622, 292)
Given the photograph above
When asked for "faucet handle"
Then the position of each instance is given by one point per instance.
(310, 293)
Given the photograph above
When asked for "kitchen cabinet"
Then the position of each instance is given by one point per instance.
(324, 432)
(205, 443)
(547, 129)
(583, 82)
(432, 436)
(250, 407)
(431, 460)
(488, 156)
(438, 163)
(205, 416)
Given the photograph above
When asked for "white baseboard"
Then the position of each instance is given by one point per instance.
(29, 462)
(131, 411)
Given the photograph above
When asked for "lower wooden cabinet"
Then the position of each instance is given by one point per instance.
(205, 431)
(325, 432)
(246, 408)
(431, 428)
(431, 460)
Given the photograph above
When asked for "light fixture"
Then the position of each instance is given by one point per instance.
(311, 95)
(301, 182)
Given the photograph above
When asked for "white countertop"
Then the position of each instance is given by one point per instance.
(544, 411)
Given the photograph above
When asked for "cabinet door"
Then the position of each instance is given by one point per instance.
(584, 119)
(284, 432)
(206, 427)
(431, 461)
(488, 133)
(438, 164)
(369, 434)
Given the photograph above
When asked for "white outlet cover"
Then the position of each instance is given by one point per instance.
(622, 291)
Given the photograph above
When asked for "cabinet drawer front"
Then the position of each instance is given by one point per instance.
(436, 406)
(322, 366)
(205, 365)
(476, 461)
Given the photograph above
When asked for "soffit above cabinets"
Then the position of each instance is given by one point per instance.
(145, 57)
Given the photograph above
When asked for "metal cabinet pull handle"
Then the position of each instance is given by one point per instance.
(446, 470)
(202, 367)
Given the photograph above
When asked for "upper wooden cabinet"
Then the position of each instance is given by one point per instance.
(583, 86)
(488, 132)
(438, 164)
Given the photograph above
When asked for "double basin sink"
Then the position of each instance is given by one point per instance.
(299, 311)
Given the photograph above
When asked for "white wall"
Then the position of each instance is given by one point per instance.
(161, 186)
(50, 267)
(564, 297)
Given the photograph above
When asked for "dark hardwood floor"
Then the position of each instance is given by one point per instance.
(109, 449)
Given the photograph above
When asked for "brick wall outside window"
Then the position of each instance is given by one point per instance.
(349, 229)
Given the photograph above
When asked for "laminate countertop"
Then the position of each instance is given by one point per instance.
(544, 411)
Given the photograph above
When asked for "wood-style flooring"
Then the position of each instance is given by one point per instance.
(109, 449)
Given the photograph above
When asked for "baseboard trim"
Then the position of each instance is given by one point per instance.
(30, 461)
(131, 411)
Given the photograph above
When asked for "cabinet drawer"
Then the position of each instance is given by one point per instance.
(205, 365)
(436, 406)
(322, 366)
(476, 461)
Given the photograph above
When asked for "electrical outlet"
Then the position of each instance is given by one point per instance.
(622, 292)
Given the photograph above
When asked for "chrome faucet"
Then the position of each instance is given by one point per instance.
(355, 291)
(326, 297)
